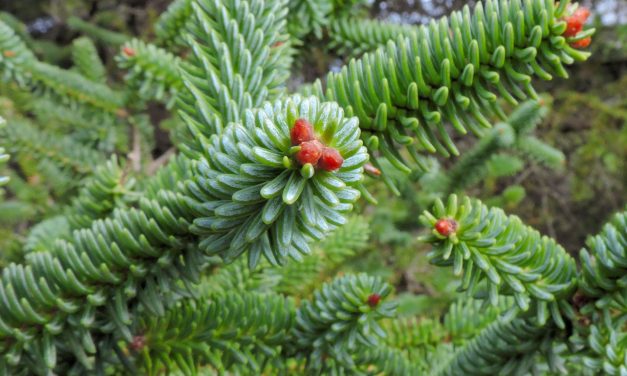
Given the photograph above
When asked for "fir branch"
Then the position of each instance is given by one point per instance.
(514, 134)
(101, 193)
(606, 342)
(341, 317)
(73, 87)
(411, 333)
(57, 293)
(468, 317)
(472, 166)
(353, 37)
(43, 234)
(86, 60)
(503, 348)
(108, 37)
(604, 265)
(240, 59)
(14, 56)
(603, 282)
(339, 247)
(449, 72)
(171, 23)
(238, 277)
(238, 328)
(146, 255)
(3, 156)
(307, 16)
(23, 138)
(488, 246)
(264, 201)
(152, 72)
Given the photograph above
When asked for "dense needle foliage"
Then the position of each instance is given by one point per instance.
(185, 208)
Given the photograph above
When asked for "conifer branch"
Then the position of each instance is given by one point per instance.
(86, 60)
(171, 23)
(265, 201)
(3, 156)
(263, 174)
(95, 32)
(100, 195)
(353, 37)
(452, 71)
(240, 59)
(488, 247)
(152, 72)
(22, 137)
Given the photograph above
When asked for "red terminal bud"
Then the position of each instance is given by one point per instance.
(302, 132)
(138, 343)
(9, 53)
(446, 226)
(371, 170)
(576, 21)
(128, 51)
(330, 160)
(373, 300)
(583, 13)
(310, 152)
(583, 43)
(278, 44)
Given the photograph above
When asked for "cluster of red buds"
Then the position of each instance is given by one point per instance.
(574, 26)
(8, 53)
(312, 150)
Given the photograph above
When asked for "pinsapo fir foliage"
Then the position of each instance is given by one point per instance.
(229, 258)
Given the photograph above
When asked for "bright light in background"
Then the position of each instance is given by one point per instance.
(611, 12)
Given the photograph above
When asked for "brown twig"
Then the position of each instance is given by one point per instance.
(135, 155)
(161, 160)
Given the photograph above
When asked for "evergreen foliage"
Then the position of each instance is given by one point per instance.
(3, 156)
(453, 70)
(108, 37)
(246, 329)
(352, 37)
(153, 73)
(86, 59)
(100, 195)
(342, 316)
(265, 203)
(231, 258)
(24, 139)
(510, 258)
(171, 23)
(14, 55)
(237, 65)
(483, 159)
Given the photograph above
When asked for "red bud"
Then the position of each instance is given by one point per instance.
(576, 21)
(310, 152)
(330, 160)
(583, 43)
(373, 300)
(128, 51)
(446, 226)
(302, 132)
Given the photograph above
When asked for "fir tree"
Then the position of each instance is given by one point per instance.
(226, 259)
